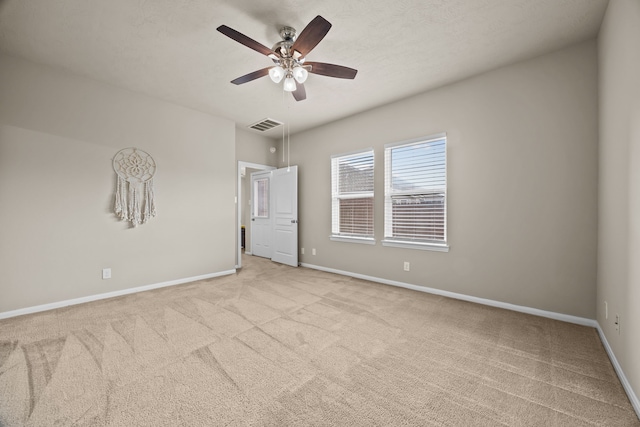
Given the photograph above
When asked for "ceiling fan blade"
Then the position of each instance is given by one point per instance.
(251, 76)
(311, 35)
(247, 41)
(300, 94)
(331, 70)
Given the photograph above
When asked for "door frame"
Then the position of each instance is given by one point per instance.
(244, 165)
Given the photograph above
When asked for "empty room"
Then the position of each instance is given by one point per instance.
(292, 213)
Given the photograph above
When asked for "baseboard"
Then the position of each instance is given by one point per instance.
(633, 398)
(513, 307)
(60, 304)
(523, 309)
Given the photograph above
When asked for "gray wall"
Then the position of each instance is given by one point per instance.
(253, 147)
(619, 190)
(58, 136)
(522, 184)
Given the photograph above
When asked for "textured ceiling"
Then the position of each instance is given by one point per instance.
(170, 49)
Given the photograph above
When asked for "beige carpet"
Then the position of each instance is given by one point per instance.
(279, 346)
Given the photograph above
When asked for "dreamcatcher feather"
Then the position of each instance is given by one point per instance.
(134, 187)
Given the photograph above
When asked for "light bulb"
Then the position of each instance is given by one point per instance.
(276, 73)
(289, 84)
(300, 74)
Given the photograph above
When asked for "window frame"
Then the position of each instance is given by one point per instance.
(388, 238)
(336, 197)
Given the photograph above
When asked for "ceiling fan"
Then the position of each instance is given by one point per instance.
(289, 55)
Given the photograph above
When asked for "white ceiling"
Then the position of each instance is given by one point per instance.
(170, 49)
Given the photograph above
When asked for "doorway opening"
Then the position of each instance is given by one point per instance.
(242, 205)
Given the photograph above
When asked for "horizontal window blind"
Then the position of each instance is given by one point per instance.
(415, 191)
(352, 195)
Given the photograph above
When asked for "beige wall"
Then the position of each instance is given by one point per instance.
(253, 147)
(522, 184)
(58, 136)
(619, 186)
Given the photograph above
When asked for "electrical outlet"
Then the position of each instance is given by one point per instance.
(606, 310)
(407, 266)
(313, 251)
(302, 251)
(106, 273)
(618, 323)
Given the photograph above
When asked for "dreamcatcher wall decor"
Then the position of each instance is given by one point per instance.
(134, 188)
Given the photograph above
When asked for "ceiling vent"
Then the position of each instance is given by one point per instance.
(265, 125)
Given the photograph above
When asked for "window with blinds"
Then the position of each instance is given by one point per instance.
(415, 208)
(352, 195)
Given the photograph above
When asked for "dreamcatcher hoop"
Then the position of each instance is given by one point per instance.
(135, 169)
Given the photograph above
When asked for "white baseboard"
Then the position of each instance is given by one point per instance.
(543, 313)
(537, 312)
(633, 398)
(60, 304)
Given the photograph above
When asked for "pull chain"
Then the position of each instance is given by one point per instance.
(288, 126)
(283, 126)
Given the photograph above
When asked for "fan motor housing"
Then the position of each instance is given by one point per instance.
(283, 47)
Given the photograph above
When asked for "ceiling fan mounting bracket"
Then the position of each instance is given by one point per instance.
(288, 34)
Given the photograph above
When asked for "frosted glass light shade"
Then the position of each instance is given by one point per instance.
(289, 84)
(300, 74)
(276, 73)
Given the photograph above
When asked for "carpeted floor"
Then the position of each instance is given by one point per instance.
(278, 346)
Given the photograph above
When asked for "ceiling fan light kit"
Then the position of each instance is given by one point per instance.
(300, 74)
(289, 55)
(289, 84)
(276, 73)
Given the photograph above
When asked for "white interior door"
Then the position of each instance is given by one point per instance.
(284, 197)
(261, 216)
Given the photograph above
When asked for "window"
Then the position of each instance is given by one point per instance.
(352, 197)
(415, 196)
(261, 196)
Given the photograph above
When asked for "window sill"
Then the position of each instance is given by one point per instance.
(438, 247)
(361, 240)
